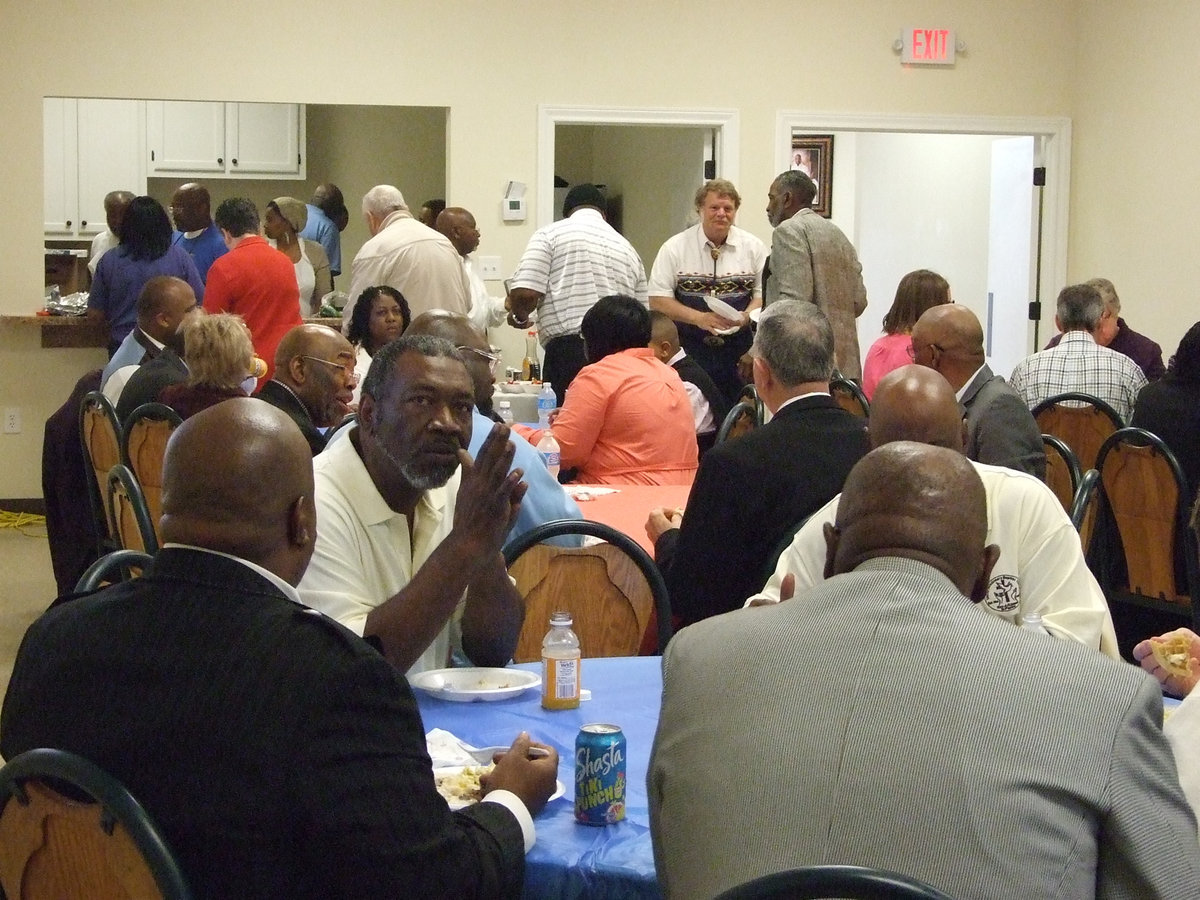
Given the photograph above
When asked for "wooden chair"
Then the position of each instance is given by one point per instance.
(1082, 421)
(101, 435)
(1063, 474)
(144, 444)
(741, 419)
(613, 590)
(851, 882)
(120, 565)
(849, 396)
(1144, 494)
(70, 831)
(131, 518)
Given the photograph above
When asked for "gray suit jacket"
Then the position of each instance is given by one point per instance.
(880, 719)
(812, 260)
(1001, 431)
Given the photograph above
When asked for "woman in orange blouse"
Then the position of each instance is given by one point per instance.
(626, 418)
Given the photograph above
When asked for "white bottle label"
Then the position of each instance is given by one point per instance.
(566, 678)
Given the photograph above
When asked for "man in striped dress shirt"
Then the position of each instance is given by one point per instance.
(568, 266)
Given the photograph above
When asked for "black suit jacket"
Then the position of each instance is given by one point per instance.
(690, 370)
(278, 395)
(280, 754)
(147, 382)
(749, 492)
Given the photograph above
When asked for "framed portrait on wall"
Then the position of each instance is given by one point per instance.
(812, 154)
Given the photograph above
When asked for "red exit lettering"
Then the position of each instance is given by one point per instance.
(929, 43)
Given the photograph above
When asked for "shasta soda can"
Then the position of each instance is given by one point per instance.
(599, 775)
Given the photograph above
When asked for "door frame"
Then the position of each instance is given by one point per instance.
(1052, 149)
(724, 122)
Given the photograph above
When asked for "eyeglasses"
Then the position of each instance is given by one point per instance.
(493, 357)
(912, 350)
(348, 368)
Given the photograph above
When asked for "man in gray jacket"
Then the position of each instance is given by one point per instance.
(882, 719)
(812, 260)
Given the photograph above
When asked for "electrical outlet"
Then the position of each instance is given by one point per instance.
(12, 420)
(489, 268)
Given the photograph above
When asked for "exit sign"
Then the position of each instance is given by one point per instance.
(927, 46)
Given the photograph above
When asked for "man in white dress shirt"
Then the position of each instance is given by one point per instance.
(402, 253)
(713, 260)
(458, 225)
(115, 204)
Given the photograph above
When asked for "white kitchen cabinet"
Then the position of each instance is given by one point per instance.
(91, 147)
(226, 140)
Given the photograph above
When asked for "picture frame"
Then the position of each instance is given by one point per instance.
(813, 155)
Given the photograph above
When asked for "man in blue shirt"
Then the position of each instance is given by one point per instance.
(195, 230)
(327, 219)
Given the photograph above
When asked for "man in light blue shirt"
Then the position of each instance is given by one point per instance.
(327, 219)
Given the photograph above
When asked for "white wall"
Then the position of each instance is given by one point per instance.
(922, 202)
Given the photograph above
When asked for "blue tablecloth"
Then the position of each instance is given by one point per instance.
(572, 860)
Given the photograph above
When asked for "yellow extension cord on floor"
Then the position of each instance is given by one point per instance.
(23, 521)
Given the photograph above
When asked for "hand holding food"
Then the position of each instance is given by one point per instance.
(1172, 658)
(533, 780)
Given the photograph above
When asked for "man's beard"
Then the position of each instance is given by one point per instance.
(423, 476)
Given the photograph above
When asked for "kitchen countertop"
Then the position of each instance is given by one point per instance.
(79, 331)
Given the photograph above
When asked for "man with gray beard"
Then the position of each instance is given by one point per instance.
(410, 529)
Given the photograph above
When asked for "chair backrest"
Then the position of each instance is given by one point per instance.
(1145, 489)
(1080, 420)
(119, 565)
(131, 518)
(69, 830)
(101, 435)
(749, 396)
(1062, 470)
(741, 419)
(849, 396)
(613, 590)
(851, 882)
(1084, 505)
(145, 434)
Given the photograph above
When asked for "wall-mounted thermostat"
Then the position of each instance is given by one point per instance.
(512, 208)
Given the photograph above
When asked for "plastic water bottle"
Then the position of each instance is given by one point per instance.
(551, 452)
(506, 414)
(1032, 621)
(546, 404)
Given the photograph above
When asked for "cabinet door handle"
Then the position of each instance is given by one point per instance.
(83, 223)
(220, 160)
(235, 162)
(68, 223)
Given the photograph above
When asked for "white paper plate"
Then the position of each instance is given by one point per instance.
(727, 331)
(755, 313)
(559, 787)
(467, 685)
(722, 309)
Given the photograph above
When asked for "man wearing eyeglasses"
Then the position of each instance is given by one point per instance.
(314, 380)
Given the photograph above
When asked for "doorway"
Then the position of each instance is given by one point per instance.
(954, 194)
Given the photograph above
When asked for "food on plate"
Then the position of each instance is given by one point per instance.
(1174, 653)
(461, 786)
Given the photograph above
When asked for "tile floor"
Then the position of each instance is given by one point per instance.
(26, 589)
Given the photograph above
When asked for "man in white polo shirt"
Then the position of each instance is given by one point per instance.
(712, 261)
(568, 266)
